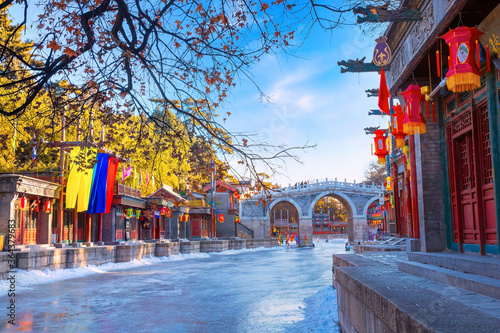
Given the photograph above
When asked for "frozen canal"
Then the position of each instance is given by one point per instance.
(263, 290)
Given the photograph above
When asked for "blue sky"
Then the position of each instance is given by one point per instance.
(312, 102)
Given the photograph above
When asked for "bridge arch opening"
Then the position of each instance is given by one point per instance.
(347, 203)
(329, 217)
(285, 219)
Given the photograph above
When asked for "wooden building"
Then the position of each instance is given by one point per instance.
(450, 196)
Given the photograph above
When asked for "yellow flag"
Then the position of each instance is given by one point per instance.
(86, 183)
(73, 180)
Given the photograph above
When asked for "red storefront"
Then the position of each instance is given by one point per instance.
(28, 203)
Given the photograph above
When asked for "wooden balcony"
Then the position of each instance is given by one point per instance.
(121, 189)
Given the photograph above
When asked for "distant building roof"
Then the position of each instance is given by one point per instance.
(222, 184)
(166, 191)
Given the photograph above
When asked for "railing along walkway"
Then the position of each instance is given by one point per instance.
(326, 185)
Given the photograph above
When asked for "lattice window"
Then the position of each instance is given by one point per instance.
(451, 105)
(464, 96)
(482, 80)
(472, 165)
(464, 163)
(487, 167)
(462, 123)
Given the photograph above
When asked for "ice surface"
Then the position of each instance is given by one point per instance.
(281, 289)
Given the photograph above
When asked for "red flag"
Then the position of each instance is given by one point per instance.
(110, 183)
(383, 94)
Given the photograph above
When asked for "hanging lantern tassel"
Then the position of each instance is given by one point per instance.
(397, 126)
(413, 123)
(380, 146)
(433, 112)
(372, 149)
(478, 58)
(463, 74)
(488, 62)
(438, 64)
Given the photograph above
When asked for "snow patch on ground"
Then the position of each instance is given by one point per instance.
(320, 313)
(27, 279)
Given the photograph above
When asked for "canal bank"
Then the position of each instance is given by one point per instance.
(39, 258)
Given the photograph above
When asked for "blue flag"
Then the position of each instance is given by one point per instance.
(34, 146)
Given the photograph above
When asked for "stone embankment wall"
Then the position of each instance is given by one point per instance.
(97, 255)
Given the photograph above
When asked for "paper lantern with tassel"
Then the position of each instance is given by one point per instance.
(406, 152)
(413, 123)
(24, 203)
(380, 146)
(389, 186)
(397, 126)
(463, 74)
(47, 206)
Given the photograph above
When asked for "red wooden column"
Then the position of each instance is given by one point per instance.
(414, 191)
(396, 198)
(88, 223)
(153, 227)
(99, 227)
(75, 223)
(38, 223)
(22, 225)
(409, 228)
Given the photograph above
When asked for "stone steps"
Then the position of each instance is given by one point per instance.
(376, 297)
(476, 283)
(488, 266)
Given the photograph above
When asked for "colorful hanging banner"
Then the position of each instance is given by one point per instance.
(97, 202)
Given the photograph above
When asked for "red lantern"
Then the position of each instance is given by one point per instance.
(463, 74)
(236, 219)
(24, 203)
(47, 206)
(397, 126)
(186, 218)
(413, 123)
(163, 211)
(380, 147)
(221, 218)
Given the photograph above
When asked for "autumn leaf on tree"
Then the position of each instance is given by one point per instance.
(244, 142)
(69, 52)
(54, 46)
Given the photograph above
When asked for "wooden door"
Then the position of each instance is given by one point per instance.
(485, 178)
(195, 228)
(467, 192)
(471, 178)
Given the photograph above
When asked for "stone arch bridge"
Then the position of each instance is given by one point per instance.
(356, 198)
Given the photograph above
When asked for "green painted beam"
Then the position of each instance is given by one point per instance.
(495, 140)
(446, 176)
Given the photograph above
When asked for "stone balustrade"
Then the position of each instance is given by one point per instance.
(326, 185)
